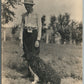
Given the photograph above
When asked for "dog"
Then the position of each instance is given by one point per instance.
(43, 72)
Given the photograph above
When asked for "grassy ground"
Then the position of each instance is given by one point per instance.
(65, 59)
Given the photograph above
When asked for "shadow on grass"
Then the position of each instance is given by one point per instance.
(19, 65)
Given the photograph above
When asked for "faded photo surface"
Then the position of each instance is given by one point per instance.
(41, 41)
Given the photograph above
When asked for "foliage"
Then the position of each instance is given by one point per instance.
(14, 29)
(64, 20)
(7, 13)
(60, 20)
(80, 26)
(65, 26)
(52, 20)
(43, 18)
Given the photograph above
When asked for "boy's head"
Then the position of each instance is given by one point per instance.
(28, 5)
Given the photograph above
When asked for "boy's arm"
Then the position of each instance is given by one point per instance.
(39, 28)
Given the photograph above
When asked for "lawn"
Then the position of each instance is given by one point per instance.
(65, 59)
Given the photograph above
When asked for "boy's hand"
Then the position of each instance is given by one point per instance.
(37, 44)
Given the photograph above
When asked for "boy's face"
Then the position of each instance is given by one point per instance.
(29, 7)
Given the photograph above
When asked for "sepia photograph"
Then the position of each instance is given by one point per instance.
(41, 42)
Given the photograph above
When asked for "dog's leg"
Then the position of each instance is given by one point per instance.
(36, 79)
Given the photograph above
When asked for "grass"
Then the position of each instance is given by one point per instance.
(65, 59)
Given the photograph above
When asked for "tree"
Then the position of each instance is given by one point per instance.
(60, 20)
(64, 27)
(43, 20)
(73, 25)
(64, 20)
(52, 20)
(81, 26)
(7, 13)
